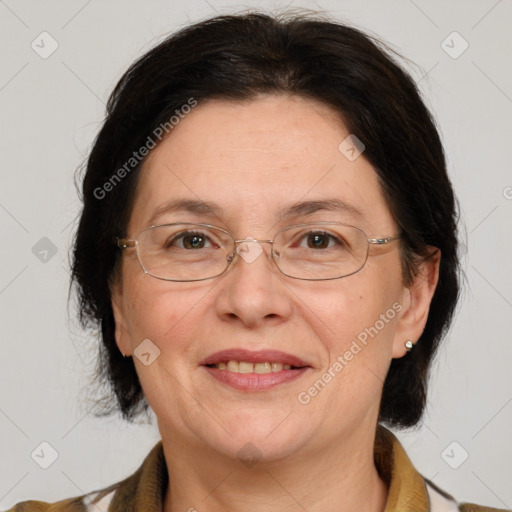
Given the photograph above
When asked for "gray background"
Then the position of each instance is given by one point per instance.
(51, 110)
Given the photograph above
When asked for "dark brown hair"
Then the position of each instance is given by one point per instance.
(237, 57)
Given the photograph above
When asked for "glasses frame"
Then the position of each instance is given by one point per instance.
(130, 243)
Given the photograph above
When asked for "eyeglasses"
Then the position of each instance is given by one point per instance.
(195, 252)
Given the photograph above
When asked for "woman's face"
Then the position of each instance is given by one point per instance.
(253, 159)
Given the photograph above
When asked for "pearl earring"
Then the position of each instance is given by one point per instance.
(409, 345)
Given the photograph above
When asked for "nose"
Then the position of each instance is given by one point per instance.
(253, 292)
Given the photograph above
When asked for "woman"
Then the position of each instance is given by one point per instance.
(268, 242)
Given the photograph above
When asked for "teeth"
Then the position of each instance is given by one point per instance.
(233, 366)
(262, 368)
(246, 367)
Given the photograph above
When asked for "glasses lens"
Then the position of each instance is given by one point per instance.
(184, 252)
(321, 251)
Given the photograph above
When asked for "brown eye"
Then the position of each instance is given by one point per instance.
(316, 241)
(189, 240)
(193, 241)
(320, 240)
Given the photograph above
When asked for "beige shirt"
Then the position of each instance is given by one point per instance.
(144, 491)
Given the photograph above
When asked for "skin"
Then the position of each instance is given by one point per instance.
(253, 158)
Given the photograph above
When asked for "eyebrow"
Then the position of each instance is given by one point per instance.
(290, 210)
(187, 205)
(310, 207)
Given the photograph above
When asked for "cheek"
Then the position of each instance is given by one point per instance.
(161, 312)
(359, 317)
(360, 304)
(354, 322)
(171, 319)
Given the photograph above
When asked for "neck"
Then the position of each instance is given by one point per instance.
(335, 479)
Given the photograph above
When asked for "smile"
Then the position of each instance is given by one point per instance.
(247, 367)
(247, 370)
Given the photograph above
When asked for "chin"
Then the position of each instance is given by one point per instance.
(251, 438)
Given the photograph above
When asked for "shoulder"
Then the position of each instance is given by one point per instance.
(94, 501)
(408, 489)
(68, 505)
(145, 486)
(471, 507)
(441, 501)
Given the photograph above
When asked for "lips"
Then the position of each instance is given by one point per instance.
(260, 356)
(254, 371)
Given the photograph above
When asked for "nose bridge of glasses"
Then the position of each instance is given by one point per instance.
(249, 249)
(253, 240)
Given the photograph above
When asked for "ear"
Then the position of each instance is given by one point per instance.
(416, 300)
(121, 331)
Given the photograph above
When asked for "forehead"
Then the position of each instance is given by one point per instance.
(254, 160)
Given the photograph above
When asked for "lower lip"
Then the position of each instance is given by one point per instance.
(255, 381)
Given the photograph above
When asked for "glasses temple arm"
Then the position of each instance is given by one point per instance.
(382, 241)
